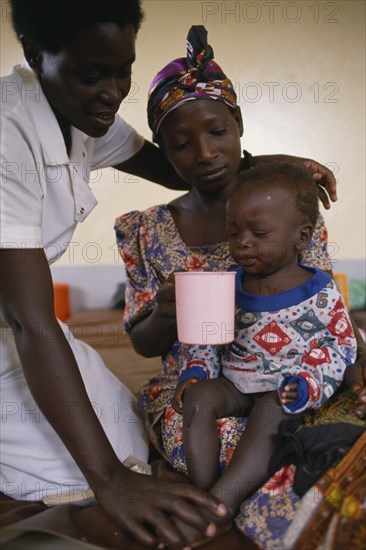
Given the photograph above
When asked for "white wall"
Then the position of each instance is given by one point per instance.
(299, 69)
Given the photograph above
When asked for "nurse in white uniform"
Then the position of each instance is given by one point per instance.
(59, 427)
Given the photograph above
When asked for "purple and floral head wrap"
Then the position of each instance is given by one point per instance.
(184, 79)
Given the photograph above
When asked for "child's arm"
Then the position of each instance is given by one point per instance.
(324, 363)
(177, 401)
(288, 392)
(198, 363)
(294, 394)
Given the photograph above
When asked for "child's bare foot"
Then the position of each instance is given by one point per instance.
(195, 539)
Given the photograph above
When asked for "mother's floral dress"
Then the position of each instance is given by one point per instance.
(152, 248)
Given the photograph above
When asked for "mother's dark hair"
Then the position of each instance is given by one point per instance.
(51, 25)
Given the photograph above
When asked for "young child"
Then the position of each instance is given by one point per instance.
(293, 338)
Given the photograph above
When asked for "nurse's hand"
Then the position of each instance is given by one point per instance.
(147, 508)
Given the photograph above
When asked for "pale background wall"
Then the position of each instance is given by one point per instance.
(299, 71)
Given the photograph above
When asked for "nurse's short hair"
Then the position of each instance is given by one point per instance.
(50, 25)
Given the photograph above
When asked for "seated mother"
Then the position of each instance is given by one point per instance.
(201, 140)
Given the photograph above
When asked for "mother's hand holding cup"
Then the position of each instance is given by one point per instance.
(205, 306)
(165, 298)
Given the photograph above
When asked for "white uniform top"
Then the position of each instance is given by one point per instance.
(44, 193)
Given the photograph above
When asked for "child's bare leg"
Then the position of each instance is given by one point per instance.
(249, 466)
(204, 403)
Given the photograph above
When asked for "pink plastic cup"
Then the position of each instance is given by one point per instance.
(205, 303)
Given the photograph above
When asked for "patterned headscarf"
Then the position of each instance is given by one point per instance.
(195, 77)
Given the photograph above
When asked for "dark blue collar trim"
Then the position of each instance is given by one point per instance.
(275, 302)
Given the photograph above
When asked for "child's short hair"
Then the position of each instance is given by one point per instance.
(51, 24)
(296, 179)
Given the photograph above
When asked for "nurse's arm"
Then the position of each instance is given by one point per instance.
(151, 164)
(132, 500)
(49, 365)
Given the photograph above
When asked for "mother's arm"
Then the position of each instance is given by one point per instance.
(355, 375)
(155, 335)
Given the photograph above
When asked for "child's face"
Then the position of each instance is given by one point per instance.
(264, 228)
(201, 139)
